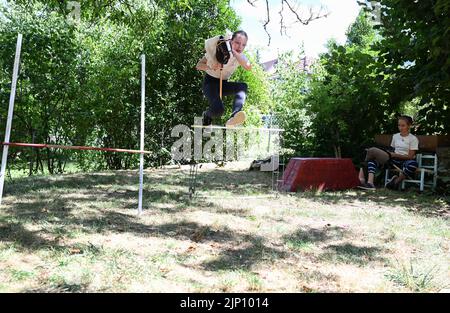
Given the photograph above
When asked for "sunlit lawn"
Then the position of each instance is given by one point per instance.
(80, 233)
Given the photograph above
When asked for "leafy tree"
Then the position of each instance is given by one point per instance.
(47, 85)
(340, 105)
(415, 54)
(347, 101)
(289, 89)
(361, 33)
(80, 82)
(110, 95)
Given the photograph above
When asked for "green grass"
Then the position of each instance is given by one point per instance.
(299, 245)
(80, 233)
(70, 168)
(413, 277)
(20, 275)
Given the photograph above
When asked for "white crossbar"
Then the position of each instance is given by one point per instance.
(239, 128)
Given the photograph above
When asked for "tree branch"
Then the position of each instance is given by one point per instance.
(283, 29)
(267, 21)
(282, 26)
(312, 16)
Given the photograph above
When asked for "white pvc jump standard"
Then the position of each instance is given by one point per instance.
(10, 114)
(6, 143)
(141, 160)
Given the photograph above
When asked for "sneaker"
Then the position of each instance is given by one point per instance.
(206, 121)
(367, 186)
(237, 119)
(391, 183)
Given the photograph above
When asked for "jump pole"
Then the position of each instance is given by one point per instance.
(82, 148)
(141, 161)
(10, 114)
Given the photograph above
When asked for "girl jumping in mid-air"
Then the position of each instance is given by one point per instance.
(211, 83)
(405, 147)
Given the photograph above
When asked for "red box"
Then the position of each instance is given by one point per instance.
(319, 173)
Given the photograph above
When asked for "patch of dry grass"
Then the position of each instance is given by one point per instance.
(80, 233)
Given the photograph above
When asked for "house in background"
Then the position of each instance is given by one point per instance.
(270, 66)
(305, 64)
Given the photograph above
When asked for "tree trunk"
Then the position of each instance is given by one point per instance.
(337, 146)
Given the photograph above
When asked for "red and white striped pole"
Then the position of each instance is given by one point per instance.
(10, 114)
(82, 148)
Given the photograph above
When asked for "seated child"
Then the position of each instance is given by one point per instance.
(405, 147)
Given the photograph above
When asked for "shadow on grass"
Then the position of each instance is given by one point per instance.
(86, 204)
(62, 287)
(250, 250)
(61, 205)
(31, 240)
(89, 203)
(316, 235)
(238, 251)
(234, 182)
(421, 203)
(93, 188)
(112, 185)
(352, 254)
(58, 215)
(241, 251)
(336, 253)
(104, 222)
(251, 182)
(211, 179)
(72, 181)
